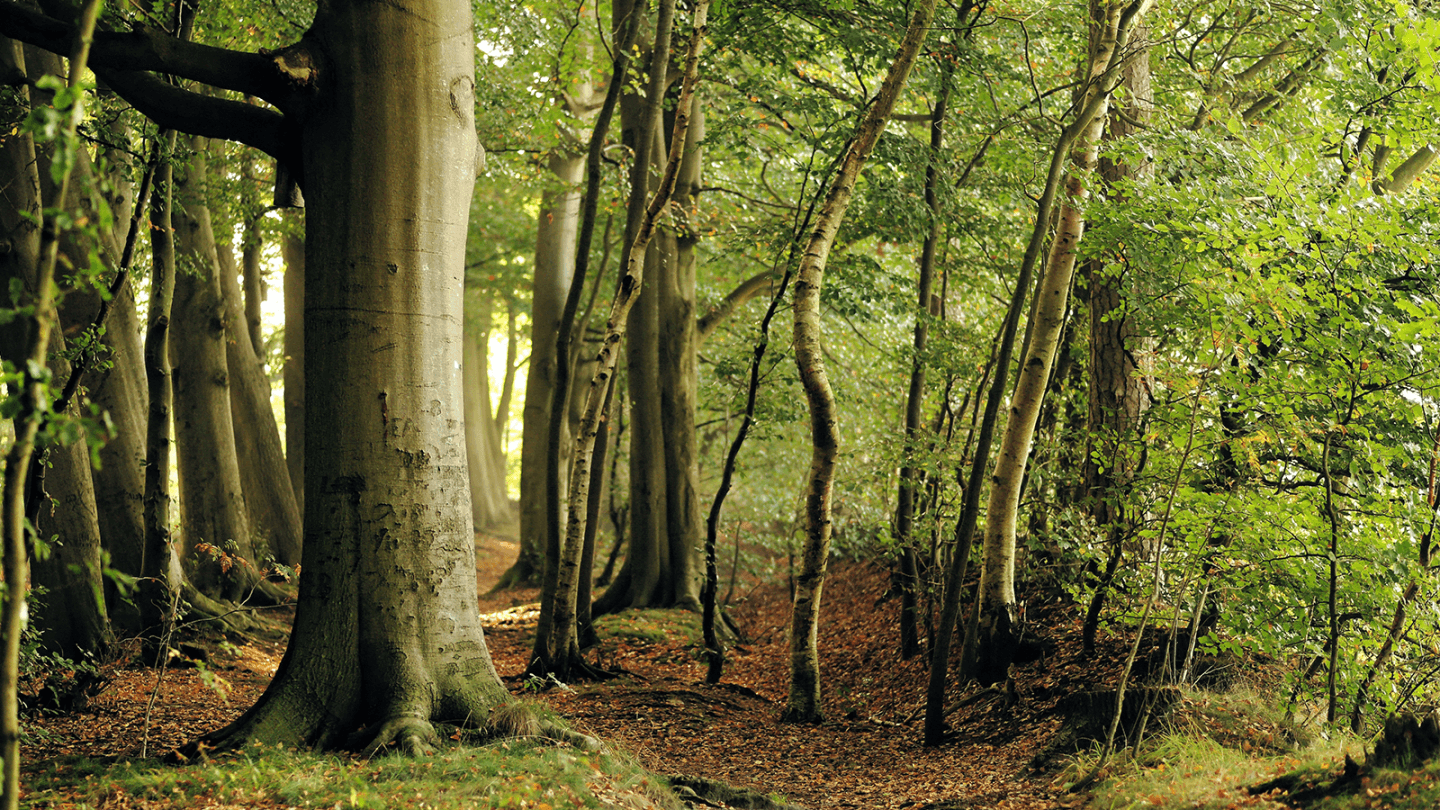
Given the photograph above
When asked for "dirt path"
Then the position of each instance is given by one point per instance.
(867, 755)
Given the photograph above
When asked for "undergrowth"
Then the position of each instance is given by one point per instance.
(1210, 751)
(505, 773)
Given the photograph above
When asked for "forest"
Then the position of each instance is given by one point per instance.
(950, 369)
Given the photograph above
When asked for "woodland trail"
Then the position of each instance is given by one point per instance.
(867, 755)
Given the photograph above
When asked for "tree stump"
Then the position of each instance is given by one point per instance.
(1408, 740)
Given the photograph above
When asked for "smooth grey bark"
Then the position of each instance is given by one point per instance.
(253, 283)
(489, 503)
(264, 471)
(554, 267)
(387, 634)
(156, 593)
(678, 377)
(564, 648)
(219, 546)
(292, 249)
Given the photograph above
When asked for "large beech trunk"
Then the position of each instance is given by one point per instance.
(387, 633)
(804, 701)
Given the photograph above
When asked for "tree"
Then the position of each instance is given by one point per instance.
(804, 701)
(373, 112)
(994, 630)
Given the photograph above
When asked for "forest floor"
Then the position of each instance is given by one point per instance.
(867, 754)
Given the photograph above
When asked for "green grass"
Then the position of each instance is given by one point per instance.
(1216, 746)
(507, 773)
(650, 626)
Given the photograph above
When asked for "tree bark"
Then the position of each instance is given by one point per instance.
(804, 701)
(915, 396)
(264, 471)
(219, 547)
(293, 251)
(489, 504)
(387, 634)
(1118, 395)
(994, 642)
(554, 268)
(155, 595)
(678, 378)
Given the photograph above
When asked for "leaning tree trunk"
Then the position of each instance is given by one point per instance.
(804, 702)
(387, 634)
(71, 616)
(995, 631)
(564, 648)
(264, 471)
(641, 581)
(32, 395)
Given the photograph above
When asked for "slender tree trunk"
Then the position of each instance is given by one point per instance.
(489, 505)
(915, 397)
(678, 379)
(563, 645)
(157, 589)
(27, 423)
(804, 701)
(996, 613)
(554, 268)
(253, 282)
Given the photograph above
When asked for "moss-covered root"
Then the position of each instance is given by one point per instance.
(413, 736)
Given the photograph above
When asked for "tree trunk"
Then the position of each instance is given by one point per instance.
(915, 397)
(678, 380)
(293, 250)
(156, 593)
(489, 504)
(554, 267)
(387, 634)
(1118, 395)
(996, 633)
(804, 701)
(264, 470)
(215, 524)
(71, 615)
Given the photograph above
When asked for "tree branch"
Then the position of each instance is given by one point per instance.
(253, 74)
(207, 116)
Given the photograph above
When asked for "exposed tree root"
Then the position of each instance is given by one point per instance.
(412, 736)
